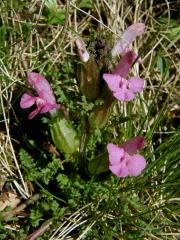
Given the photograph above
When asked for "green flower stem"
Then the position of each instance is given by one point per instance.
(83, 145)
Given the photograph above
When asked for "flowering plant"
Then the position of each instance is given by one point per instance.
(123, 159)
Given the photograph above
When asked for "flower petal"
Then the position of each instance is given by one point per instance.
(136, 56)
(48, 107)
(133, 145)
(119, 171)
(119, 47)
(40, 104)
(128, 37)
(136, 84)
(124, 95)
(112, 81)
(115, 153)
(27, 100)
(33, 113)
(132, 32)
(136, 165)
(41, 85)
(85, 56)
(124, 66)
(124, 172)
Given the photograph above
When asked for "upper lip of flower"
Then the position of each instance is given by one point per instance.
(45, 100)
(123, 89)
(128, 36)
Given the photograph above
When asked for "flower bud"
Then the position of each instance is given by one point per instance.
(88, 75)
(100, 114)
(88, 72)
(63, 135)
(81, 49)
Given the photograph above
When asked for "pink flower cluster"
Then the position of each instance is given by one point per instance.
(123, 89)
(124, 160)
(45, 100)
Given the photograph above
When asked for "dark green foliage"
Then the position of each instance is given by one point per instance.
(34, 171)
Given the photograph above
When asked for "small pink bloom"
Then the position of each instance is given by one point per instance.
(124, 90)
(128, 37)
(124, 160)
(45, 100)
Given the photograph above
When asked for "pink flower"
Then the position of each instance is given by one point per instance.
(123, 89)
(124, 160)
(124, 66)
(128, 37)
(45, 100)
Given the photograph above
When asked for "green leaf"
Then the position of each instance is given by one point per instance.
(99, 164)
(86, 4)
(162, 64)
(35, 217)
(57, 18)
(56, 15)
(171, 27)
(62, 179)
(99, 116)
